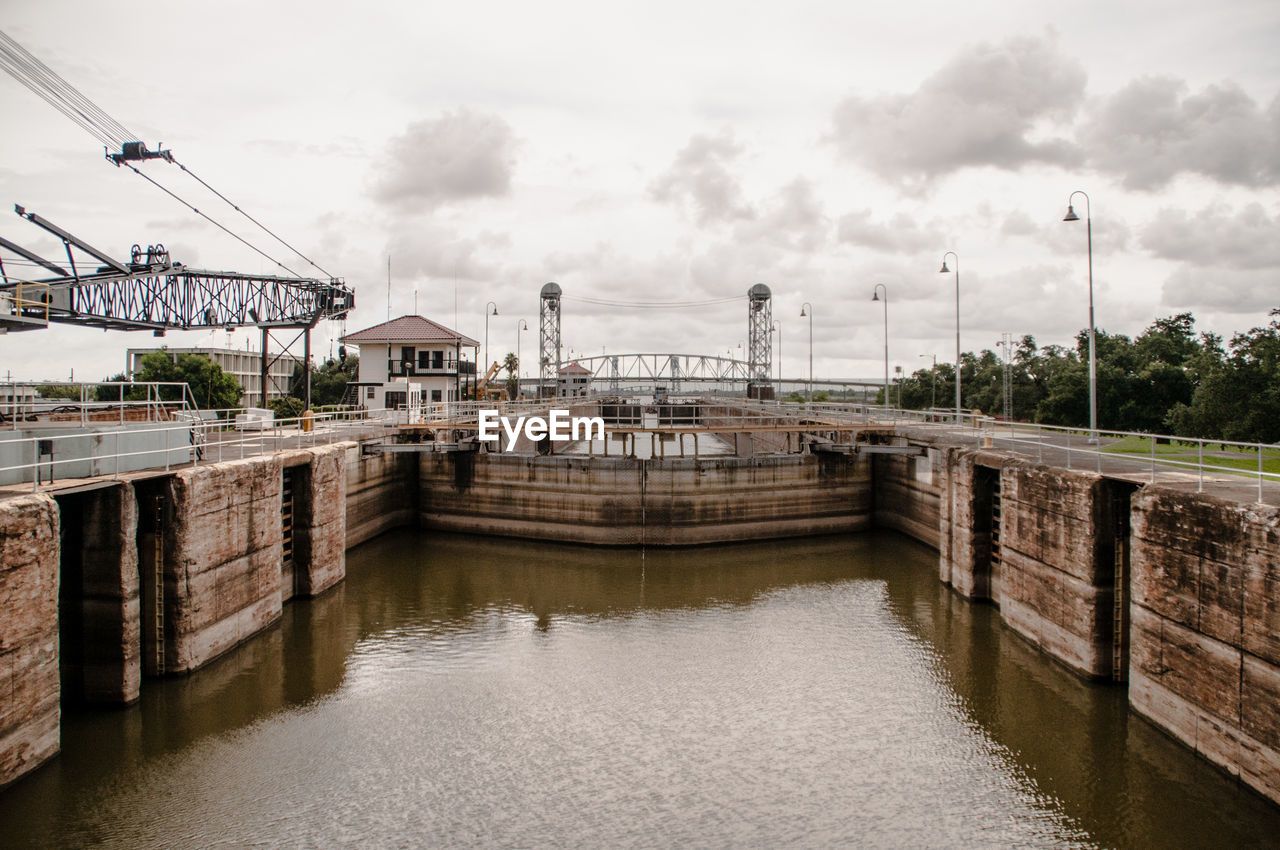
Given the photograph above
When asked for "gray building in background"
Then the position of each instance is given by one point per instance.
(244, 366)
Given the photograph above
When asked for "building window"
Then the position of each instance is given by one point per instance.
(369, 392)
(435, 395)
(424, 359)
(437, 360)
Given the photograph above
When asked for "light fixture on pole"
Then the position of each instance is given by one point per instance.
(487, 314)
(1093, 361)
(806, 306)
(944, 270)
(934, 371)
(521, 326)
(875, 296)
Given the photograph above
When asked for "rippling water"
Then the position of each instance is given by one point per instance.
(463, 691)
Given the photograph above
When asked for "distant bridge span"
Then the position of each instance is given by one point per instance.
(673, 371)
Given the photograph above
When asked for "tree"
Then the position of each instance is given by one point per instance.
(1238, 396)
(512, 364)
(328, 381)
(211, 388)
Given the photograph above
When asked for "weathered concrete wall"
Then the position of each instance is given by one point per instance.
(381, 493)
(909, 493)
(621, 501)
(1054, 582)
(1205, 646)
(29, 685)
(1051, 572)
(101, 610)
(963, 557)
(222, 558)
(319, 520)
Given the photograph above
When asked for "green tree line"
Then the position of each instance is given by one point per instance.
(1168, 379)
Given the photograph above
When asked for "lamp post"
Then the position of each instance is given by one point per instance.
(1093, 361)
(934, 371)
(875, 296)
(522, 325)
(944, 270)
(806, 306)
(487, 314)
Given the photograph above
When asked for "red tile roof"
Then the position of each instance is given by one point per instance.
(574, 369)
(408, 329)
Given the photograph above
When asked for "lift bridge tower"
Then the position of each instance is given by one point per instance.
(549, 334)
(760, 342)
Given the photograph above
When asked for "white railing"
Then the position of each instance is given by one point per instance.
(1078, 448)
(190, 437)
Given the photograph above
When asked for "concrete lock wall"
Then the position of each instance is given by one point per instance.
(29, 687)
(624, 501)
(1205, 648)
(1036, 541)
(909, 493)
(1054, 579)
(381, 492)
(222, 558)
(223, 547)
(100, 608)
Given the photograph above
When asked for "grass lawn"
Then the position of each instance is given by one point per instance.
(1232, 457)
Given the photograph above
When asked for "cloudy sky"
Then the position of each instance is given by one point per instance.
(665, 151)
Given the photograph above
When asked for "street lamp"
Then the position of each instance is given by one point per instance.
(934, 371)
(809, 307)
(944, 270)
(487, 314)
(521, 326)
(1093, 361)
(875, 296)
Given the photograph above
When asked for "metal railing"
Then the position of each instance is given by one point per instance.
(1130, 454)
(189, 437)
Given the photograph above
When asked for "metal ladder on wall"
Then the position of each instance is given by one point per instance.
(157, 587)
(1119, 603)
(995, 522)
(286, 518)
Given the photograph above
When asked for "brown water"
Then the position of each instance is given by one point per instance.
(469, 691)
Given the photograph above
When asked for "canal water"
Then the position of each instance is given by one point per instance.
(461, 691)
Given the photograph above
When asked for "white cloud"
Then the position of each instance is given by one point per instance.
(699, 178)
(1152, 130)
(1216, 236)
(459, 156)
(982, 108)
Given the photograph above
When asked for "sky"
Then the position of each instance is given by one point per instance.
(663, 151)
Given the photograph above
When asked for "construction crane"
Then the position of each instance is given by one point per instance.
(151, 292)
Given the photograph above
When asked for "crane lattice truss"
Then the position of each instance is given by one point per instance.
(150, 292)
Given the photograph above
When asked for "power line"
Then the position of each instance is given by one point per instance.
(62, 96)
(251, 218)
(651, 305)
(58, 93)
(212, 221)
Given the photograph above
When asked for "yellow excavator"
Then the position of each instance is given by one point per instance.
(486, 388)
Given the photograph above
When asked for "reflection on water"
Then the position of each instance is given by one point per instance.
(464, 691)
